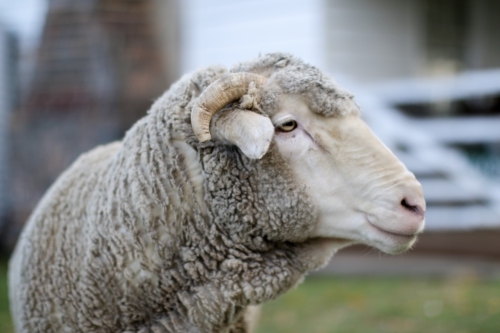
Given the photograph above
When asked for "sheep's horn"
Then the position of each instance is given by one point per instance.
(217, 95)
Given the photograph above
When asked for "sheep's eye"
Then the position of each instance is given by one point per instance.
(287, 126)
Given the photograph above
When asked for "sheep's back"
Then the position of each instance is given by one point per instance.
(45, 266)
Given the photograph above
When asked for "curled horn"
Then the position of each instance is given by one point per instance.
(217, 95)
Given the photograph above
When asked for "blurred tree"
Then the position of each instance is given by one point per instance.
(98, 69)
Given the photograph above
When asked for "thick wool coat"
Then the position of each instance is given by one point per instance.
(161, 233)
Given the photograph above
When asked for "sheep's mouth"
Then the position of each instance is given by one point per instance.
(399, 236)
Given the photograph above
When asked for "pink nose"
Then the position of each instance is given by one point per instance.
(412, 207)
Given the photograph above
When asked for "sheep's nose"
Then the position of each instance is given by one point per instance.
(414, 205)
(412, 209)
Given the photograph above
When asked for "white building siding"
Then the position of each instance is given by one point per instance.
(227, 32)
(373, 40)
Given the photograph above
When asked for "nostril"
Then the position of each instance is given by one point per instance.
(416, 209)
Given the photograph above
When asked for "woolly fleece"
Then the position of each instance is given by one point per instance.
(160, 233)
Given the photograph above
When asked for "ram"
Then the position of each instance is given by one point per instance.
(233, 187)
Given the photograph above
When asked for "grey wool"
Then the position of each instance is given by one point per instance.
(162, 233)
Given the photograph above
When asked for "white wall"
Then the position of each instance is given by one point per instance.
(229, 31)
(374, 40)
(368, 40)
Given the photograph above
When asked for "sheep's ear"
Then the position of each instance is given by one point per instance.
(251, 132)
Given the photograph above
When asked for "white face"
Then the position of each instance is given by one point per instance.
(362, 191)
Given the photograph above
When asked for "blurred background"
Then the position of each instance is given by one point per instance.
(426, 73)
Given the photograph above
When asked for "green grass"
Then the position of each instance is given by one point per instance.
(327, 304)
(402, 305)
(5, 322)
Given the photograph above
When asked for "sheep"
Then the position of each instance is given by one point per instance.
(231, 189)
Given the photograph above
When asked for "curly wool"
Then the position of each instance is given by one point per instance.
(293, 76)
(161, 233)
